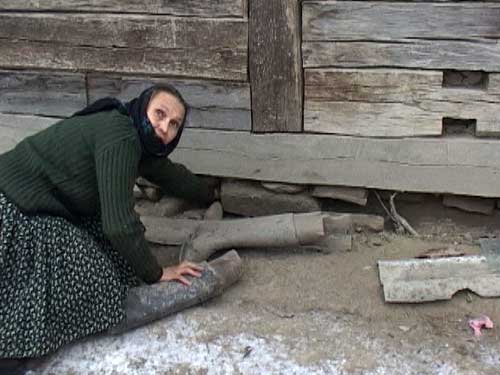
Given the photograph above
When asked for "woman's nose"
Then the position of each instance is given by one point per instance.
(164, 125)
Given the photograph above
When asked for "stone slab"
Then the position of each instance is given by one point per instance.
(424, 280)
(470, 204)
(250, 199)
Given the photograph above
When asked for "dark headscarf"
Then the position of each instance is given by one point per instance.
(136, 110)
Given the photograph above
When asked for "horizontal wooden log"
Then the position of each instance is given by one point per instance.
(127, 31)
(370, 119)
(41, 93)
(215, 105)
(201, 62)
(370, 20)
(446, 165)
(15, 128)
(219, 8)
(423, 54)
(387, 102)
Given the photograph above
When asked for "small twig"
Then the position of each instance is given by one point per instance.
(385, 208)
(400, 219)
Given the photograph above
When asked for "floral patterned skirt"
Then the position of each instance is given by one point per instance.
(58, 282)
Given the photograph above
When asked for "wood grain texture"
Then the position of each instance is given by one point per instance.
(385, 102)
(438, 54)
(445, 165)
(224, 64)
(42, 93)
(370, 20)
(15, 128)
(218, 8)
(215, 105)
(211, 48)
(126, 31)
(275, 65)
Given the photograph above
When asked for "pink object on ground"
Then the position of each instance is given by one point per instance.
(482, 322)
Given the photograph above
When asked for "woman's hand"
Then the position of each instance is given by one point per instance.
(176, 272)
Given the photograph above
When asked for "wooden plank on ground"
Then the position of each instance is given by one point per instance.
(390, 102)
(219, 8)
(420, 54)
(42, 93)
(275, 65)
(212, 48)
(370, 20)
(215, 105)
(446, 165)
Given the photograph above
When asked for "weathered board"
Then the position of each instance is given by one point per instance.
(368, 20)
(211, 48)
(446, 165)
(225, 65)
(275, 65)
(42, 93)
(219, 8)
(14, 128)
(126, 31)
(453, 165)
(384, 102)
(216, 105)
(438, 54)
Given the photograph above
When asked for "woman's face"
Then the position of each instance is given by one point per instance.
(166, 114)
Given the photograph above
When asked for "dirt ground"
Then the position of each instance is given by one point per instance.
(302, 312)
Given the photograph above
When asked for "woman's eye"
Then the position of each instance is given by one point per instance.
(175, 124)
(160, 113)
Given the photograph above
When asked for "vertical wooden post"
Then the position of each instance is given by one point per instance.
(275, 65)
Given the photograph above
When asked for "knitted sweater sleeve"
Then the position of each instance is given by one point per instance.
(176, 179)
(116, 168)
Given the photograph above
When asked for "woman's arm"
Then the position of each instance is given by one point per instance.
(177, 180)
(116, 171)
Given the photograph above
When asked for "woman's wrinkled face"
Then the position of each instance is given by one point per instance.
(166, 114)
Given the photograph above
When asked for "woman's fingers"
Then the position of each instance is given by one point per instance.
(183, 280)
(194, 266)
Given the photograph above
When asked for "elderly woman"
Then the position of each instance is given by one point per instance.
(71, 245)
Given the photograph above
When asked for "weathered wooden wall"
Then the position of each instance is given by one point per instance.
(57, 56)
(375, 68)
(394, 95)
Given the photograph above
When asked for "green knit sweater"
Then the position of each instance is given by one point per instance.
(85, 166)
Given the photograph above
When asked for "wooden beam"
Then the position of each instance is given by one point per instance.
(202, 63)
(377, 20)
(219, 8)
(394, 103)
(211, 48)
(125, 31)
(214, 104)
(275, 65)
(14, 128)
(442, 165)
(40, 93)
(421, 54)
